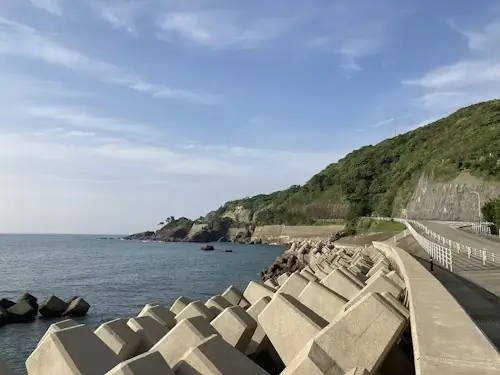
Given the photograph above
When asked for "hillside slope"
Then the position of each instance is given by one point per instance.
(381, 179)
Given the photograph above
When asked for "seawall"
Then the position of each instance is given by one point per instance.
(287, 233)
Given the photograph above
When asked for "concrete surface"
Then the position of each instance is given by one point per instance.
(341, 284)
(68, 323)
(363, 337)
(150, 363)
(149, 330)
(236, 327)
(195, 308)
(233, 295)
(120, 338)
(255, 291)
(322, 300)
(259, 339)
(186, 334)
(180, 304)
(214, 356)
(218, 303)
(71, 351)
(294, 285)
(289, 325)
(378, 285)
(159, 313)
(282, 278)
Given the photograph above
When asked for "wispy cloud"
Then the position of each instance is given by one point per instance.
(23, 41)
(51, 6)
(120, 14)
(222, 29)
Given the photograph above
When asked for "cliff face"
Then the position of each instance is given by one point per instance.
(451, 200)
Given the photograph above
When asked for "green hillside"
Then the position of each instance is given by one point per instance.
(380, 179)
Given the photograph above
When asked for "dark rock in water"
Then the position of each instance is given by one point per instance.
(53, 307)
(21, 312)
(282, 264)
(223, 239)
(4, 317)
(5, 303)
(77, 307)
(32, 300)
(207, 248)
(228, 251)
(71, 299)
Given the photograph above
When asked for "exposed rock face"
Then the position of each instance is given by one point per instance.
(143, 236)
(172, 234)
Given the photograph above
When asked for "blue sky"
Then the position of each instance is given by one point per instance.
(117, 113)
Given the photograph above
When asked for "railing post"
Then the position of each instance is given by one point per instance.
(468, 251)
(484, 257)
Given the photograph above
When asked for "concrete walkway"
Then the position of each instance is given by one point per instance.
(481, 304)
(463, 237)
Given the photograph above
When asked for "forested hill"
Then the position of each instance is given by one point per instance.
(380, 179)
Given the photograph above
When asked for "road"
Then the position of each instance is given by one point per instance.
(468, 239)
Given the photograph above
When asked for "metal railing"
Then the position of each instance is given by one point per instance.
(481, 228)
(442, 242)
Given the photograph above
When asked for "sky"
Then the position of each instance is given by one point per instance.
(115, 114)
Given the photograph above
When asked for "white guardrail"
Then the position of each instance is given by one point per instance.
(442, 250)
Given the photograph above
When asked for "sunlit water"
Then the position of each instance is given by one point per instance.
(116, 277)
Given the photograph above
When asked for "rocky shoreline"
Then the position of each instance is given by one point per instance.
(342, 311)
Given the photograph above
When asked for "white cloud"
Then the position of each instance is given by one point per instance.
(486, 39)
(222, 29)
(23, 41)
(51, 6)
(119, 14)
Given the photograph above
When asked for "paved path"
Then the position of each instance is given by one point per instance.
(463, 237)
(482, 304)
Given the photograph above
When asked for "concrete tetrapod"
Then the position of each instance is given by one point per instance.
(294, 285)
(282, 278)
(52, 307)
(195, 308)
(236, 327)
(180, 304)
(233, 295)
(75, 351)
(350, 275)
(255, 291)
(214, 356)
(362, 337)
(341, 284)
(159, 313)
(289, 325)
(323, 301)
(149, 330)
(4, 369)
(271, 283)
(68, 323)
(379, 285)
(217, 304)
(308, 275)
(150, 363)
(120, 338)
(186, 334)
(381, 264)
(358, 371)
(393, 275)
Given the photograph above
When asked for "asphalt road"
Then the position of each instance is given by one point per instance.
(468, 239)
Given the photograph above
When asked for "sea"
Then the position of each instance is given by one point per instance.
(116, 277)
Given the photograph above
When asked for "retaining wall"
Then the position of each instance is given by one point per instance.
(286, 233)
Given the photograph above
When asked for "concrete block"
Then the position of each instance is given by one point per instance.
(341, 284)
(383, 262)
(244, 303)
(255, 291)
(289, 325)
(344, 270)
(379, 285)
(282, 278)
(71, 351)
(270, 282)
(159, 313)
(218, 304)
(393, 275)
(214, 356)
(150, 363)
(233, 295)
(180, 304)
(195, 308)
(308, 275)
(323, 301)
(120, 338)
(149, 330)
(362, 337)
(357, 371)
(320, 274)
(186, 334)
(68, 323)
(327, 269)
(236, 327)
(382, 271)
(294, 285)
(259, 339)
(4, 369)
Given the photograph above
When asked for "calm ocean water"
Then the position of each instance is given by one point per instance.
(116, 277)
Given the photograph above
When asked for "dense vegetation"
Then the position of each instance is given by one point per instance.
(380, 179)
(491, 211)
